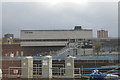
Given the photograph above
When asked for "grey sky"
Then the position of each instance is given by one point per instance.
(42, 16)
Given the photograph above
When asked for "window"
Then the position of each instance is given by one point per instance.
(28, 32)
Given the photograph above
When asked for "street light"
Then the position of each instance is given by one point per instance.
(84, 46)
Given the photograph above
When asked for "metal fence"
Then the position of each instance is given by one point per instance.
(16, 72)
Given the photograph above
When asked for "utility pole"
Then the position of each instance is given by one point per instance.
(84, 46)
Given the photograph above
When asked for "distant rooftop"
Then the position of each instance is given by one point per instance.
(75, 28)
(59, 30)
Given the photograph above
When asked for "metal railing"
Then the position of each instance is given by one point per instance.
(68, 48)
(16, 72)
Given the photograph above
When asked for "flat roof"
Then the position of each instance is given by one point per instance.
(61, 30)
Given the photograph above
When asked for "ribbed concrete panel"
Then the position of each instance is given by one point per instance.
(56, 34)
(44, 43)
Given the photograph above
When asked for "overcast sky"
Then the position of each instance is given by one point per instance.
(47, 16)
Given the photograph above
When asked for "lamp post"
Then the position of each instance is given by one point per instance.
(93, 50)
(84, 46)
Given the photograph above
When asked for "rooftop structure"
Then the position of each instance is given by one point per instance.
(8, 36)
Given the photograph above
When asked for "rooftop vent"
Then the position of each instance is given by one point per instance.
(78, 28)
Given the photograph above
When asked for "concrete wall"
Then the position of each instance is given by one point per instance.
(69, 67)
(55, 34)
(79, 52)
(47, 67)
(27, 67)
(85, 51)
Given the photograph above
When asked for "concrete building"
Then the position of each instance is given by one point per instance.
(53, 37)
(102, 34)
(50, 41)
(8, 38)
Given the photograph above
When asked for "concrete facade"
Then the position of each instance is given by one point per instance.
(52, 37)
(27, 67)
(47, 67)
(55, 34)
